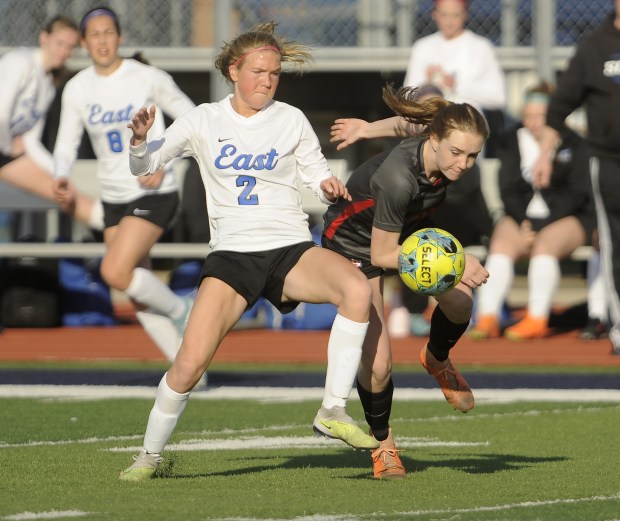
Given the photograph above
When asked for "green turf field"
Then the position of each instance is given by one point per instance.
(238, 460)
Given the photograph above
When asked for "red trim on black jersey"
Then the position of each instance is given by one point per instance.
(350, 210)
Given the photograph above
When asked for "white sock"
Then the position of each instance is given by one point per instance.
(492, 295)
(95, 219)
(169, 405)
(597, 298)
(543, 277)
(344, 352)
(162, 332)
(148, 290)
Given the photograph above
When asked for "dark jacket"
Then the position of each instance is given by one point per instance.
(593, 79)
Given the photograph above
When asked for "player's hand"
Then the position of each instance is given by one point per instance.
(528, 235)
(347, 131)
(140, 124)
(475, 273)
(334, 188)
(63, 191)
(153, 181)
(541, 172)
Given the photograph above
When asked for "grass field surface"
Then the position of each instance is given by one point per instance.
(257, 459)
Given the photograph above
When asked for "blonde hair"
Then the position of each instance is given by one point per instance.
(437, 115)
(263, 36)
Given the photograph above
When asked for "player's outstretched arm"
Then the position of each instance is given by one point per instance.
(140, 124)
(347, 131)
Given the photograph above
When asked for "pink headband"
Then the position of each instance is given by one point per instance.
(264, 48)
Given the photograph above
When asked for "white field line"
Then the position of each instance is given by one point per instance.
(248, 432)
(290, 442)
(52, 514)
(452, 512)
(482, 416)
(498, 508)
(297, 394)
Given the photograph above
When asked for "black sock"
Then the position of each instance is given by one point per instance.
(444, 334)
(377, 409)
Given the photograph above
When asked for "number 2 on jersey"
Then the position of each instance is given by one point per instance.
(115, 140)
(248, 182)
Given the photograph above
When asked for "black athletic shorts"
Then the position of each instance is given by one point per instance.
(363, 264)
(258, 273)
(159, 209)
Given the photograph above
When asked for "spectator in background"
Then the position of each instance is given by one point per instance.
(592, 79)
(460, 63)
(542, 224)
(29, 81)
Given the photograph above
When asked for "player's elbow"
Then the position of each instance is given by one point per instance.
(380, 260)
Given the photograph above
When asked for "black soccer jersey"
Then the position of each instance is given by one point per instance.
(391, 192)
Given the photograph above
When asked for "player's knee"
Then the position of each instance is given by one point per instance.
(187, 371)
(114, 276)
(357, 297)
(457, 310)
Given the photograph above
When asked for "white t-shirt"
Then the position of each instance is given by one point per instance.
(26, 93)
(470, 58)
(104, 106)
(250, 168)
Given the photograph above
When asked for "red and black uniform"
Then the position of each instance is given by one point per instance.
(389, 191)
(392, 193)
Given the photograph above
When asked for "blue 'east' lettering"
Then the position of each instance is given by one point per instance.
(229, 158)
(99, 116)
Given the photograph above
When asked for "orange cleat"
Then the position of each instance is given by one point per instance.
(487, 326)
(528, 328)
(453, 386)
(385, 461)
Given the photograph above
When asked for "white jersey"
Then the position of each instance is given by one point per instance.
(250, 167)
(470, 58)
(26, 93)
(104, 106)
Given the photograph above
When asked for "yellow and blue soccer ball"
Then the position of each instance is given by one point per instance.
(431, 261)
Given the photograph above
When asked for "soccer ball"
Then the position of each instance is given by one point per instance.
(431, 261)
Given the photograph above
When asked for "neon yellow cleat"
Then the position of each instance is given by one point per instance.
(337, 424)
(143, 468)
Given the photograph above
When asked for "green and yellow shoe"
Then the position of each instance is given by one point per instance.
(143, 468)
(337, 424)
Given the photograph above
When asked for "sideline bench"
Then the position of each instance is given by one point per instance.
(178, 250)
(84, 177)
